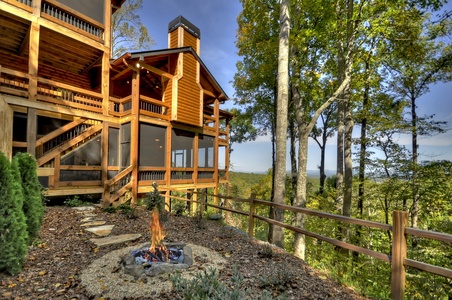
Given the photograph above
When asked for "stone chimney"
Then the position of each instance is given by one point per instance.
(182, 33)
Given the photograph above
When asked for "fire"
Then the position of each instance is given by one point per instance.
(157, 233)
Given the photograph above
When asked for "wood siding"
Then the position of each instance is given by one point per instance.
(189, 93)
(190, 40)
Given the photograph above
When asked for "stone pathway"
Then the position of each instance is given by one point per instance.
(98, 228)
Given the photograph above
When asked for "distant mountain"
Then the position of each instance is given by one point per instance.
(316, 173)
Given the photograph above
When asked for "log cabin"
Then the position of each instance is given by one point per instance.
(103, 126)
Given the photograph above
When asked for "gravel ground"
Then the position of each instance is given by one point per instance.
(65, 264)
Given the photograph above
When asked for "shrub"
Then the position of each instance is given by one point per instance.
(33, 205)
(154, 199)
(76, 202)
(13, 226)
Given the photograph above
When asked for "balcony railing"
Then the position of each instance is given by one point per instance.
(65, 16)
(60, 13)
(148, 107)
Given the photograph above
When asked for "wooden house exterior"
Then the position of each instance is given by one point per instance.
(103, 126)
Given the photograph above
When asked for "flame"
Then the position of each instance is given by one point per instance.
(156, 229)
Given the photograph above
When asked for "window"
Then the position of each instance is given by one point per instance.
(206, 153)
(152, 145)
(182, 149)
(125, 145)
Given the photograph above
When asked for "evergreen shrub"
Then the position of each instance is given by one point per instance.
(33, 204)
(13, 226)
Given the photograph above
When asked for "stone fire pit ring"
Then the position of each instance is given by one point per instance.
(105, 278)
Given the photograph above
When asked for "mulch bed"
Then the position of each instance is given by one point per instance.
(54, 265)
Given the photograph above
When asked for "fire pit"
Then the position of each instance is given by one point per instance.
(144, 262)
(157, 258)
(119, 273)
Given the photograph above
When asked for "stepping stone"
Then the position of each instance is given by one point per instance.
(101, 230)
(87, 219)
(84, 208)
(117, 239)
(88, 214)
(94, 223)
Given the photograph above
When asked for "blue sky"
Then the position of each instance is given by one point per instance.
(216, 20)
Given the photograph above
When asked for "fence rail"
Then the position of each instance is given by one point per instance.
(399, 229)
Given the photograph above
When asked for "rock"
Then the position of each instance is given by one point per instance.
(101, 230)
(115, 239)
(87, 219)
(84, 208)
(215, 216)
(134, 270)
(93, 223)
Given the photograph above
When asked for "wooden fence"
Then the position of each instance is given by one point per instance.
(399, 229)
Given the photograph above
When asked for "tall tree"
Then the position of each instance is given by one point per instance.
(415, 64)
(281, 120)
(128, 31)
(256, 79)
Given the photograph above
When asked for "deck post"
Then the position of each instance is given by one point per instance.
(33, 59)
(398, 273)
(251, 215)
(217, 146)
(134, 142)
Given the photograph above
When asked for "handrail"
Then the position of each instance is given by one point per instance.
(399, 229)
(119, 176)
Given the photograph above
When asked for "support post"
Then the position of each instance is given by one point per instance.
(398, 273)
(251, 216)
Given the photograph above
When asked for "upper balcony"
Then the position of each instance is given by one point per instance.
(78, 16)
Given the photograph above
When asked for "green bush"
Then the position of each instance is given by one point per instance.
(154, 199)
(13, 226)
(207, 286)
(76, 202)
(33, 205)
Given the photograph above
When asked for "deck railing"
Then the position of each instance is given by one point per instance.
(399, 229)
(16, 83)
(67, 16)
(13, 82)
(66, 95)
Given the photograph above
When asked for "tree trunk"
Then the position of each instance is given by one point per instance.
(293, 159)
(281, 120)
(415, 209)
(348, 162)
(300, 199)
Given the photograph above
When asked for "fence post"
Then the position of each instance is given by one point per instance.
(251, 216)
(203, 201)
(399, 223)
(226, 204)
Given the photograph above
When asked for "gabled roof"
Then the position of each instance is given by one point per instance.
(151, 53)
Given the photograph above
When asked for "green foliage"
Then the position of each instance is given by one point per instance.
(178, 208)
(278, 278)
(207, 286)
(129, 32)
(128, 210)
(76, 202)
(33, 205)
(13, 226)
(154, 199)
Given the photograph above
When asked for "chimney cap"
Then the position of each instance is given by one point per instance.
(181, 21)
